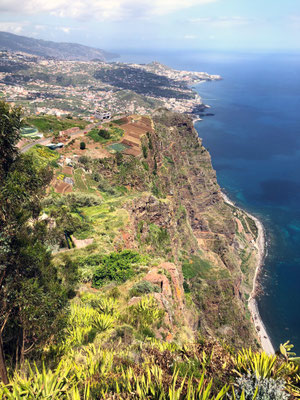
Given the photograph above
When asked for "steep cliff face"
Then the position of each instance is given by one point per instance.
(210, 241)
(166, 203)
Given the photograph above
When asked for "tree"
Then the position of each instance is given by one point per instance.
(82, 145)
(104, 133)
(119, 158)
(10, 123)
(32, 298)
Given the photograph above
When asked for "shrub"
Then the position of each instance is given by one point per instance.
(106, 187)
(143, 287)
(116, 267)
(114, 293)
(119, 158)
(145, 165)
(145, 151)
(73, 200)
(104, 133)
(145, 314)
(96, 177)
(83, 159)
(82, 145)
(267, 388)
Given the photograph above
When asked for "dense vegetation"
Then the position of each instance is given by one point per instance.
(111, 319)
(33, 296)
(108, 133)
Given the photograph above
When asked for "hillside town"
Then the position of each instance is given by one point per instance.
(87, 89)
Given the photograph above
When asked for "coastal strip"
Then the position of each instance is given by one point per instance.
(260, 328)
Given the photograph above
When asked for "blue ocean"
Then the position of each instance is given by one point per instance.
(254, 141)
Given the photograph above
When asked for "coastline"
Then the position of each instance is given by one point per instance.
(260, 328)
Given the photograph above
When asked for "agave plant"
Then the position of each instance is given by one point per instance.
(105, 305)
(40, 385)
(270, 366)
(103, 322)
(259, 363)
(145, 313)
(75, 393)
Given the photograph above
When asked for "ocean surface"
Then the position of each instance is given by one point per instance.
(254, 141)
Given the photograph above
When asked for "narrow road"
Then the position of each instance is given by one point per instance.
(45, 141)
(42, 141)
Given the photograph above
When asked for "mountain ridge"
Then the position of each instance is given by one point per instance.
(51, 49)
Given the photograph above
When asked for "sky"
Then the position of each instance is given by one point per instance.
(242, 25)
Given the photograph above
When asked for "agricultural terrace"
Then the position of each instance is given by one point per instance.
(52, 125)
(123, 135)
(134, 126)
(30, 133)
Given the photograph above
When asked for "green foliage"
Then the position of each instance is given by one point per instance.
(104, 133)
(82, 145)
(69, 273)
(145, 314)
(252, 225)
(40, 384)
(112, 133)
(195, 266)
(32, 298)
(143, 287)
(106, 187)
(105, 305)
(145, 165)
(186, 287)
(263, 365)
(116, 267)
(145, 151)
(72, 200)
(42, 156)
(119, 158)
(165, 371)
(84, 160)
(150, 144)
(10, 124)
(120, 121)
(52, 124)
(103, 322)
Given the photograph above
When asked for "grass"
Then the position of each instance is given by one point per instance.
(196, 267)
(52, 124)
(115, 134)
(117, 147)
(120, 121)
(245, 257)
(42, 155)
(79, 183)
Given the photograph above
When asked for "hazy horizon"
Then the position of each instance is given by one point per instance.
(196, 25)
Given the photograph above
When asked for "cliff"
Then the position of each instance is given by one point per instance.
(166, 203)
(157, 270)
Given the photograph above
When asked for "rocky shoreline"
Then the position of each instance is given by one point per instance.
(260, 328)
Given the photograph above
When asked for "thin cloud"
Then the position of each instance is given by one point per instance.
(64, 29)
(99, 9)
(13, 27)
(222, 22)
(190, 37)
